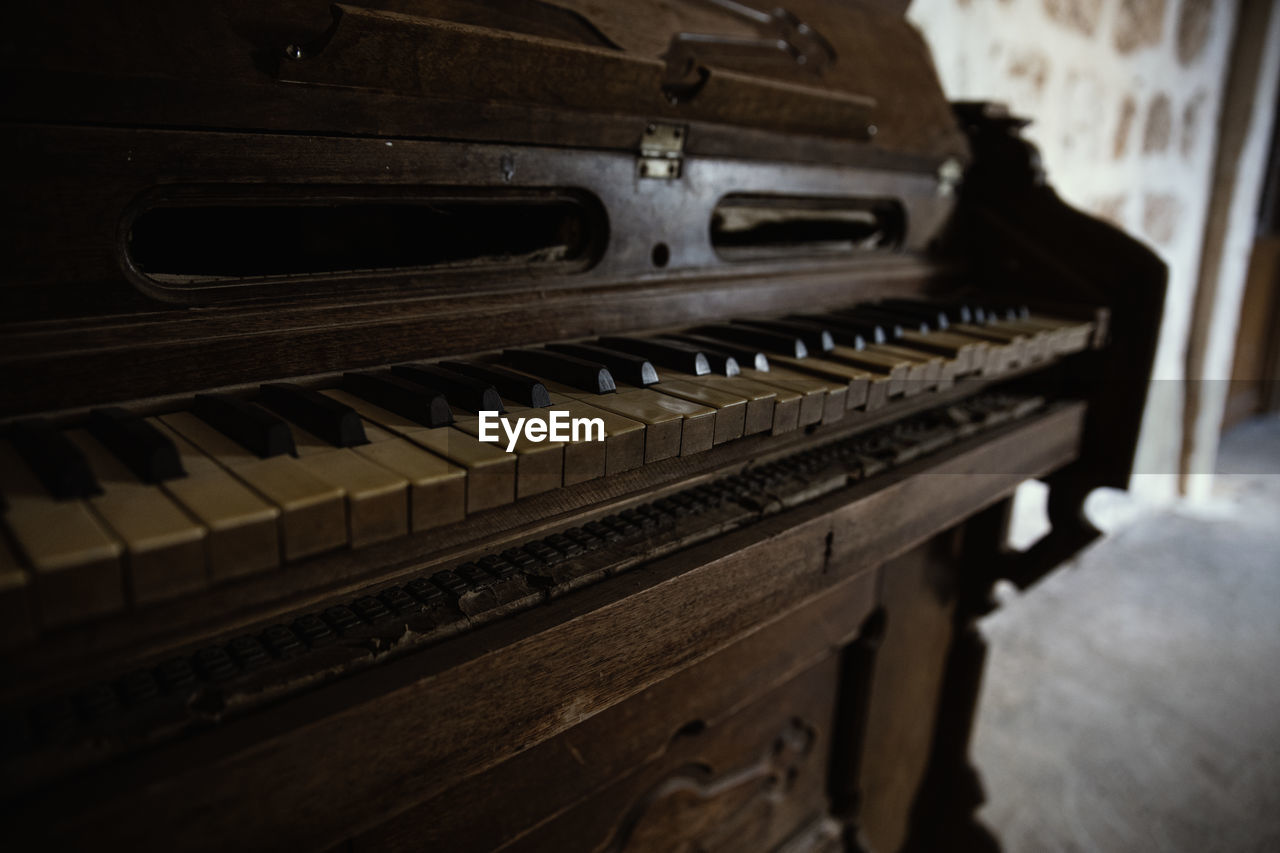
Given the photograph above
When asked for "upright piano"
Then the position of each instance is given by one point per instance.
(262, 586)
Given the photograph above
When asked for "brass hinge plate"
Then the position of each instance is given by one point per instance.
(661, 149)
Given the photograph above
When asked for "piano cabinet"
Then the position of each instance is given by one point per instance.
(269, 262)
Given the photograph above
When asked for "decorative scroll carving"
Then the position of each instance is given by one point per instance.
(697, 811)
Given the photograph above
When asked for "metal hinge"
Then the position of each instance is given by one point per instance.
(661, 148)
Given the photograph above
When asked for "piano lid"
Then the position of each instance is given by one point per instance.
(853, 78)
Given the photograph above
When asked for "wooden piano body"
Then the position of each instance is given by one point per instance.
(767, 644)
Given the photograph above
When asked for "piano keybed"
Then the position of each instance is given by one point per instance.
(161, 698)
(122, 510)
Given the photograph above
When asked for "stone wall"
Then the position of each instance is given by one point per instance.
(1125, 97)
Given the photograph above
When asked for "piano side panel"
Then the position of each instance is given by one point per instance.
(1033, 246)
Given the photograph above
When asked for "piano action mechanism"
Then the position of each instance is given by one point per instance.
(263, 585)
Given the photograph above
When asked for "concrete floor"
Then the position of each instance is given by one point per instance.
(1132, 701)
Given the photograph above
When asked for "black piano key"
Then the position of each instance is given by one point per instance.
(465, 392)
(625, 366)
(252, 426)
(775, 342)
(676, 356)
(957, 312)
(590, 376)
(722, 363)
(743, 355)
(407, 399)
(923, 311)
(1009, 312)
(319, 415)
(815, 337)
(870, 332)
(511, 384)
(146, 451)
(883, 316)
(838, 334)
(56, 461)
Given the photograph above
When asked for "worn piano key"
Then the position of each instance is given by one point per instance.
(59, 464)
(860, 388)
(893, 369)
(312, 511)
(813, 392)
(664, 422)
(377, 499)
(771, 342)
(959, 353)
(1060, 337)
(817, 340)
(990, 356)
(730, 409)
(721, 362)
(539, 464)
(1041, 343)
(673, 426)
(319, 415)
(624, 438)
(968, 354)
(250, 425)
(243, 527)
(396, 394)
(462, 391)
(76, 562)
(164, 546)
(584, 458)
(920, 371)
(924, 370)
(437, 488)
(1020, 347)
(869, 331)
(511, 384)
(676, 356)
(577, 373)
(17, 611)
(625, 366)
(144, 450)
(782, 405)
(1055, 332)
(491, 471)
(1079, 334)
(745, 356)
(927, 371)
(760, 400)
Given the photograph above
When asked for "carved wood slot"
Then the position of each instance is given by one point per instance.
(204, 241)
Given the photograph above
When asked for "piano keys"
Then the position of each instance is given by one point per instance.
(232, 488)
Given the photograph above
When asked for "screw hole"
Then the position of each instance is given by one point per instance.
(660, 255)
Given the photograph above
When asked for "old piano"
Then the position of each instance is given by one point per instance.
(261, 585)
